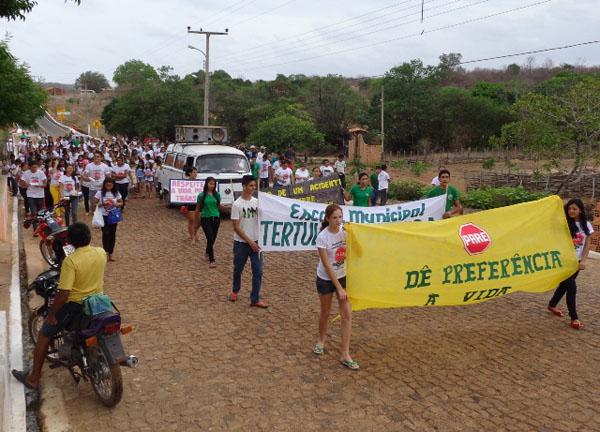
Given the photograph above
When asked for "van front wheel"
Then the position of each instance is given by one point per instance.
(167, 198)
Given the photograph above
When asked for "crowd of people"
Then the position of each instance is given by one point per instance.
(103, 172)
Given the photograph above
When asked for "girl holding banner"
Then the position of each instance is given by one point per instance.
(580, 230)
(331, 277)
(360, 194)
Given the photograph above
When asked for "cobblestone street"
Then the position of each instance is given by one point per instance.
(209, 364)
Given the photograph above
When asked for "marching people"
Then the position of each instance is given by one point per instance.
(22, 188)
(108, 199)
(331, 278)
(316, 173)
(453, 205)
(149, 173)
(207, 210)
(95, 172)
(244, 216)
(580, 230)
(361, 193)
(283, 175)
(265, 171)
(192, 215)
(85, 185)
(69, 188)
(326, 169)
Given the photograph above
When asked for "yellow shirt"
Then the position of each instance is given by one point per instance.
(82, 273)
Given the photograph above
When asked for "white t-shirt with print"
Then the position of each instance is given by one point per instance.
(302, 175)
(326, 170)
(35, 181)
(67, 186)
(123, 169)
(580, 238)
(383, 178)
(107, 202)
(264, 168)
(335, 245)
(246, 211)
(284, 176)
(97, 174)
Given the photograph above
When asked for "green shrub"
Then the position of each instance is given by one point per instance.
(490, 198)
(489, 163)
(399, 164)
(407, 190)
(419, 168)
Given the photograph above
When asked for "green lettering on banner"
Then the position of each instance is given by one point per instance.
(412, 279)
(481, 267)
(394, 217)
(380, 217)
(288, 229)
(415, 212)
(294, 214)
(447, 273)
(457, 270)
(298, 226)
(493, 265)
(546, 260)
(485, 294)
(431, 300)
(555, 259)
(265, 225)
(418, 278)
(516, 265)
(528, 268)
(535, 258)
(470, 272)
(405, 214)
(357, 216)
(504, 265)
(275, 234)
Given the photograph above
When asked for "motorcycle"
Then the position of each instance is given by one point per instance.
(91, 348)
(53, 234)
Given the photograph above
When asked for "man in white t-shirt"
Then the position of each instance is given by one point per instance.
(95, 172)
(340, 168)
(283, 175)
(326, 169)
(244, 216)
(120, 173)
(35, 182)
(384, 179)
(265, 171)
(302, 174)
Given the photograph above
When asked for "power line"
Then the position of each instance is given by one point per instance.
(262, 13)
(378, 30)
(461, 23)
(531, 52)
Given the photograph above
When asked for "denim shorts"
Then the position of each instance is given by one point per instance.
(325, 286)
(67, 314)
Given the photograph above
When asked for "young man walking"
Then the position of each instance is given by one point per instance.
(383, 179)
(244, 215)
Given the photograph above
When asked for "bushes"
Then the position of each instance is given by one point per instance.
(407, 190)
(489, 198)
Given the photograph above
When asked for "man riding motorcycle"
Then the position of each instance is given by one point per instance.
(81, 275)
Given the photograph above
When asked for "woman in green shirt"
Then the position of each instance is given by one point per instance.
(209, 203)
(360, 194)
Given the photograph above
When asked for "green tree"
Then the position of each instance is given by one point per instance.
(286, 130)
(16, 9)
(23, 100)
(134, 72)
(558, 126)
(92, 81)
(333, 105)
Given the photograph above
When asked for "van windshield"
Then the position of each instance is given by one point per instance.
(222, 163)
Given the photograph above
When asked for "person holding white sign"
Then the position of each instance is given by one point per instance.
(331, 278)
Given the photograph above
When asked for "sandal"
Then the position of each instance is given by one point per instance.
(318, 350)
(21, 376)
(576, 324)
(350, 364)
(555, 311)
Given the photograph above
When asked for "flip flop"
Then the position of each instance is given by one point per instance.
(555, 311)
(21, 376)
(576, 324)
(318, 349)
(350, 364)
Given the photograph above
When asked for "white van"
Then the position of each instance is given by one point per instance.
(226, 164)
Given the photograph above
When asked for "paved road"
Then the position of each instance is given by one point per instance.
(208, 364)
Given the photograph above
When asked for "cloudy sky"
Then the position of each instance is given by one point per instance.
(60, 40)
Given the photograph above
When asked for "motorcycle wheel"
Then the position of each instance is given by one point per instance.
(106, 380)
(36, 319)
(48, 252)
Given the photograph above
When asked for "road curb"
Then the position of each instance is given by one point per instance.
(15, 412)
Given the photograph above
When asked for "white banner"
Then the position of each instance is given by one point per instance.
(293, 225)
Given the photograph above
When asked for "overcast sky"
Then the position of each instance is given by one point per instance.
(313, 37)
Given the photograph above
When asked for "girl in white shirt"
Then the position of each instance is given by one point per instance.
(108, 198)
(302, 173)
(580, 230)
(331, 278)
(69, 190)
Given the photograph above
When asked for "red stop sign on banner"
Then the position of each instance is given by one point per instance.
(475, 239)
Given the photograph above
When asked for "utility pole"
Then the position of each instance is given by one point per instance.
(382, 127)
(206, 65)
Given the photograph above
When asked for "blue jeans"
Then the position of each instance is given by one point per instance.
(241, 252)
(71, 209)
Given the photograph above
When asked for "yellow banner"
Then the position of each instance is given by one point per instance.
(458, 261)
